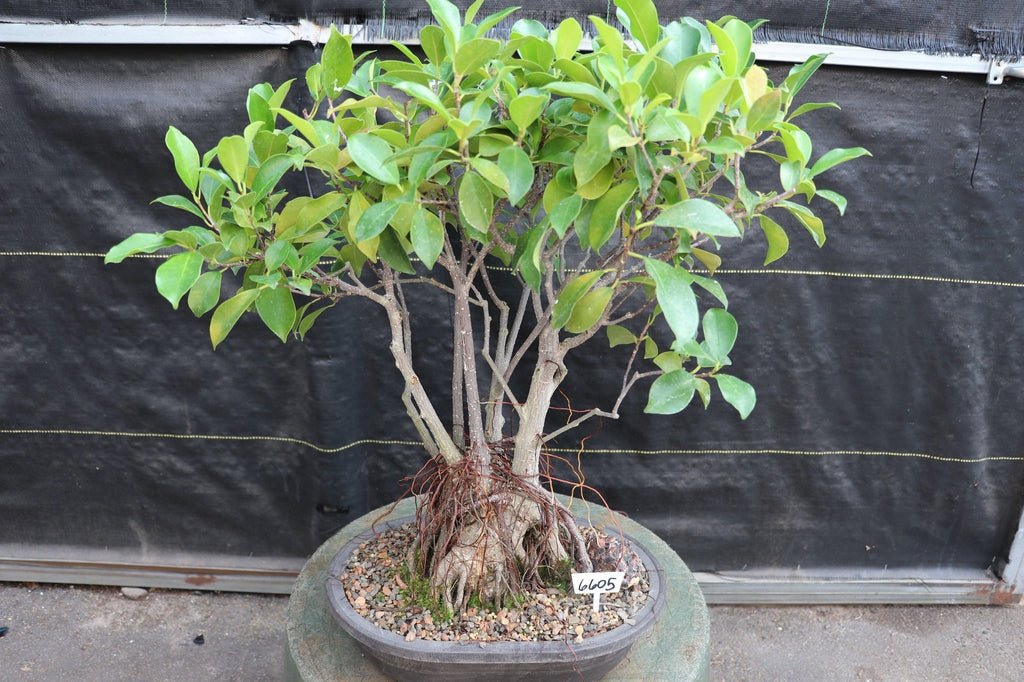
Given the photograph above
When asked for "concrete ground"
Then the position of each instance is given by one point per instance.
(95, 633)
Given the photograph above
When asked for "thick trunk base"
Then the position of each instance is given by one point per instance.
(488, 539)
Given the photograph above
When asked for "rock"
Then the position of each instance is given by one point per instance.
(374, 587)
(134, 593)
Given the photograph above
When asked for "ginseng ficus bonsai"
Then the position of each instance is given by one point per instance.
(604, 175)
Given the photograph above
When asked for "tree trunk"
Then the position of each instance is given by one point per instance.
(547, 375)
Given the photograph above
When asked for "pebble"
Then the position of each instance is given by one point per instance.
(550, 615)
(134, 593)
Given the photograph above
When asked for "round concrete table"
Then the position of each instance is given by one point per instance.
(676, 649)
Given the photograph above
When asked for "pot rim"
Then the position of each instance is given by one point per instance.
(369, 634)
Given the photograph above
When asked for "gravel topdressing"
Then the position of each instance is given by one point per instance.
(374, 587)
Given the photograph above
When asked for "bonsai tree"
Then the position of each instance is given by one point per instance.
(605, 175)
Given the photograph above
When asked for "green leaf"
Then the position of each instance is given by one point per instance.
(137, 243)
(698, 82)
(671, 393)
(607, 212)
(180, 202)
(712, 261)
(669, 361)
(473, 54)
(492, 20)
(699, 215)
(302, 125)
(337, 63)
(650, 348)
(472, 10)
(808, 107)
(567, 38)
(589, 310)
(427, 236)
(228, 313)
(712, 99)
(643, 20)
(583, 92)
(186, 157)
(375, 219)
(684, 41)
(778, 241)
(316, 211)
(737, 393)
(764, 111)
(517, 167)
(619, 336)
(525, 109)
(719, 333)
(314, 81)
(425, 95)
(476, 202)
(205, 293)
(797, 143)
(676, 298)
(742, 39)
(724, 144)
(808, 220)
(392, 253)
(835, 157)
(570, 295)
(279, 253)
(277, 98)
(177, 274)
(447, 16)
(270, 174)
(790, 174)
(370, 153)
(728, 52)
(276, 308)
(526, 257)
(432, 40)
(307, 322)
(491, 172)
(801, 73)
(258, 108)
(591, 158)
(835, 198)
(619, 138)
(712, 287)
(564, 212)
(233, 153)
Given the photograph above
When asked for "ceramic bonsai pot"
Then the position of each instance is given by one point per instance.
(424, 660)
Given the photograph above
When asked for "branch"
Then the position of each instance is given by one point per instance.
(432, 431)
(614, 414)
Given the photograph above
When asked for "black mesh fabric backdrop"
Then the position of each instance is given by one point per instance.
(887, 435)
(991, 27)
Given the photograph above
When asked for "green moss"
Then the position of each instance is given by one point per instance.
(417, 593)
(558, 576)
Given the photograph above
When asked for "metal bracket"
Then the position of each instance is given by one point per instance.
(999, 69)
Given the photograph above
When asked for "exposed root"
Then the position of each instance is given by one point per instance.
(488, 539)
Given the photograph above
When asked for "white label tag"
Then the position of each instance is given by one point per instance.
(597, 584)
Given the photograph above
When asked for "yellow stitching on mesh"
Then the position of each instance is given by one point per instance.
(721, 271)
(77, 254)
(801, 453)
(202, 436)
(868, 275)
(591, 451)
